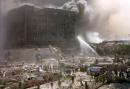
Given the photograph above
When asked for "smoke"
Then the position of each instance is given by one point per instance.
(94, 37)
(77, 6)
(7, 5)
(86, 24)
(113, 18)
(71, 5)
(52, 6)
(109, 18)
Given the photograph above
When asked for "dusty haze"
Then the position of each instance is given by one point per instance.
(109, 19)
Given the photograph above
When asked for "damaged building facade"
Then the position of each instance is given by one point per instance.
(31, 27)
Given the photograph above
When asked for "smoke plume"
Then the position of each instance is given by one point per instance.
(109, 18)
(113, 18)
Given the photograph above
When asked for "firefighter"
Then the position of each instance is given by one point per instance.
(52, 85)
(72, 78)
(59, 83)
(86, 85)
(81, 83)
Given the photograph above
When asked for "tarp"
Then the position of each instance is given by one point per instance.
(95, 69)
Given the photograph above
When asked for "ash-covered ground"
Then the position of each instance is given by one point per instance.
(74, 44)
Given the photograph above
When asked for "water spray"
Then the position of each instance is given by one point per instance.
(85, 46)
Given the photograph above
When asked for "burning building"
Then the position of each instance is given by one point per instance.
(29, 26)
